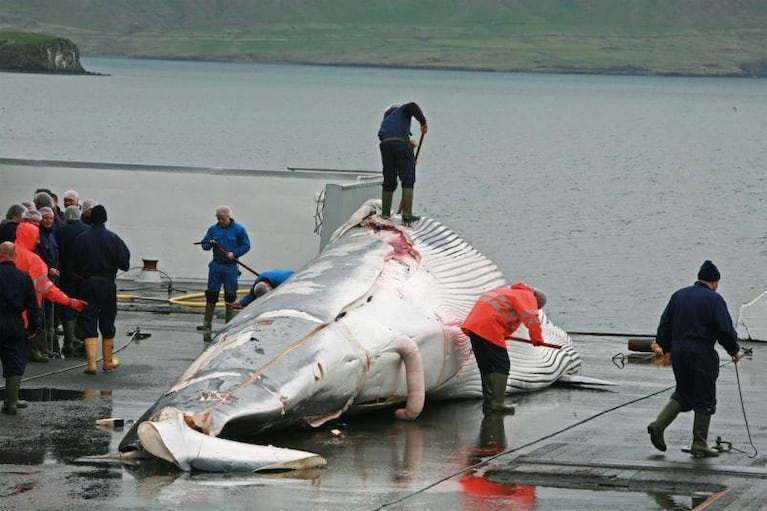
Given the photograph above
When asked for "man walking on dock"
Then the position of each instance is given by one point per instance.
(695, 318)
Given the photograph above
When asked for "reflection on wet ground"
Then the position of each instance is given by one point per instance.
(47, 394)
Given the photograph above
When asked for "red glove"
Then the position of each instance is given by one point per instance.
(77, 305)
(536, 343)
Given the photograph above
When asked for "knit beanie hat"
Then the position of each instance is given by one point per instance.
(98, 214)
(708, 272)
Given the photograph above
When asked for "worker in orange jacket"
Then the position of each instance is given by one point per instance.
(492, 319)
(27, 236)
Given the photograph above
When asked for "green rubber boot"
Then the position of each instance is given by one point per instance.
(37, 353)
(207, 322)
(665, 417)
(386, 200)
(407, 207)
(497, 401)
(230, 313)
(10, 405)
(700, 447)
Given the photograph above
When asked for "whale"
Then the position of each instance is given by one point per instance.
(372, 322)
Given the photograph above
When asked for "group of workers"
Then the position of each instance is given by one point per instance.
(42, 246)
(85, 257)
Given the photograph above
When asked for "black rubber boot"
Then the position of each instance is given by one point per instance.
(700, 447)
(69, 338)
(487, 391)
(10, 405)
(665, 417)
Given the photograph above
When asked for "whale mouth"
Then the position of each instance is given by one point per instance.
(171, 436)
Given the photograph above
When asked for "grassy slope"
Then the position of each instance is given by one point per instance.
(659, 36)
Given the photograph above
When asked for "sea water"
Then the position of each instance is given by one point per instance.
(605, 191)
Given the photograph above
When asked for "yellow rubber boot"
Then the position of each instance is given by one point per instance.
(90, 354)
(110, 362)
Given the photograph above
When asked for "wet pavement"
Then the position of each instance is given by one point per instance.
(565, 448)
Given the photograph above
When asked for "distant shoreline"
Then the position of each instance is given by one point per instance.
(588, 37)
(552, 71)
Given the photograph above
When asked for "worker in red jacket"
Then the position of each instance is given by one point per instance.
(494, 317)
(27, 236)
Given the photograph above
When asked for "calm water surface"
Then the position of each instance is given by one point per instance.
(607, 192)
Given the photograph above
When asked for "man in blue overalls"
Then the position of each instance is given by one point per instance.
(266, 281)
(228, 240)
(398, 158)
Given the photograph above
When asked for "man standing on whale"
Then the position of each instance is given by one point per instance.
(397, 156)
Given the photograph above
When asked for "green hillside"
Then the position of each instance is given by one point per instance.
(697, 37)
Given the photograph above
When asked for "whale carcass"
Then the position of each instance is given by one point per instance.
(372, 322)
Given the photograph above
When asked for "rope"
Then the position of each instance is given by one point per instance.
(484, 462)
(135, 334)
(745, 419)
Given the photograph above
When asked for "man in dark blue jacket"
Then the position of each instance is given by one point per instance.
(229, 241)
(17, 294)
(69, 283)
(99, 254)
(695, 318)
(398, 158)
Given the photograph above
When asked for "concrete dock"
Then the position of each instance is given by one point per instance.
(587, 446)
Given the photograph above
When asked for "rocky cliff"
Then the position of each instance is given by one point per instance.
(40, 55)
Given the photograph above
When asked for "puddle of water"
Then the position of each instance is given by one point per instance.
(47, 394)
(557, 498)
